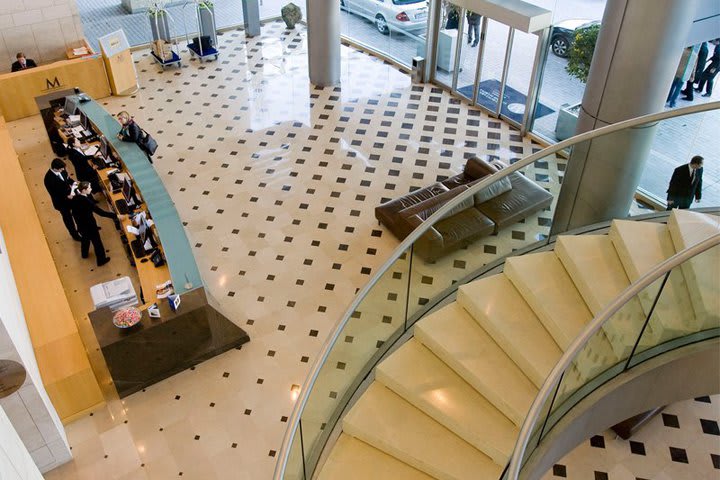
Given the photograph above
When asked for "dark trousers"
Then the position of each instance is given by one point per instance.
(688, 91)
(706, 78)
(474, 28)
(69, 222)
(94, 238)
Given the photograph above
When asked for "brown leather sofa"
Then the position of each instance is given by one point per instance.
(502, 203)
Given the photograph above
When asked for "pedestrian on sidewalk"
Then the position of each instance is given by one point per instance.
(686, 184)
(708, 76)
(473, 20)
(695, 77)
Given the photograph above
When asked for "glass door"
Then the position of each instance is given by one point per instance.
(488, 63)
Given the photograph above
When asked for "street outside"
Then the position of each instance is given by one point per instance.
(557, 89)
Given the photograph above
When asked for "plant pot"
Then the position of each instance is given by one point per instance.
(291, 15)
(567, 121)
(160, 27)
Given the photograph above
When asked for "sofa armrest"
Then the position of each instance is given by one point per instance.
(431, 205)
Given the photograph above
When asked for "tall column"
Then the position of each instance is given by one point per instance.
(636, 56)
(323, 27)
(251, 17)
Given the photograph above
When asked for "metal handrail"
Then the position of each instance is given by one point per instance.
(579, 343)
(284, 451)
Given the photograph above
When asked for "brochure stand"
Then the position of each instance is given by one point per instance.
(119, 63)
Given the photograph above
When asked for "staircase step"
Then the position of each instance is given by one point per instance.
(599, 276)
(352, 459)
(545, 285)
(458, 340)
(701, 274)
(503, 313)
(641, 246)
(421, 378)
(384, 420)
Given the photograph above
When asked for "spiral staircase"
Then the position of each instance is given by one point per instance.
(449, 402)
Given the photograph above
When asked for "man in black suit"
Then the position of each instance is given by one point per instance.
(82, 164)
(60, 187)
(686, 184)
(22, 63)
(84, 209)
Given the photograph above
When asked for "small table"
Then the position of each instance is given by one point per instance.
(157, 348)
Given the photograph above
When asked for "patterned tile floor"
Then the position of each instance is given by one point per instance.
(276, 181)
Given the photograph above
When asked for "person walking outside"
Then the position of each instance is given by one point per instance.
(683, 72)
(689, 89)
(686, 184)
(473, 20)
(84, 209)
(708, 76)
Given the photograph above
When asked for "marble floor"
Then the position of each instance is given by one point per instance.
(276, 182)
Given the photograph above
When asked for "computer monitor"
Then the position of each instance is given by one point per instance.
(71, 104)
(128, 192)
(103, 147)
(84, 121)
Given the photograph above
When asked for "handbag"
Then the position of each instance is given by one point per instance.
(148, 143)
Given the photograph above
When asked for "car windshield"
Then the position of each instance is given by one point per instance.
(408, 2)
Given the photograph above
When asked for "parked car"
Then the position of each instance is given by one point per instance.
(562, 35)
(399, 15)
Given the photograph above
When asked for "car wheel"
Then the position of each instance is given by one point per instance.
(382, 25)
(560, 46)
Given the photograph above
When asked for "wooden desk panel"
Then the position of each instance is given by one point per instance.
(19, 89)
(61, 356)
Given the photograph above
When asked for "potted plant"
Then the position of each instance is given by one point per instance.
(159, 21)
(578, 66)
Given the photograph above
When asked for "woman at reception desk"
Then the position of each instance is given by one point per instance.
(174, 332)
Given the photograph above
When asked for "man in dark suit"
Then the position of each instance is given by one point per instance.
(84, 209)
(60, 187)
(686, 184)
(82, 164)
(22, 63)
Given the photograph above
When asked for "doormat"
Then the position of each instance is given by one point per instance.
(513, 105)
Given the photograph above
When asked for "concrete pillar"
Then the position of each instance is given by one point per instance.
(323, 27)
(636, 56)
(251, 17)
(28, 409)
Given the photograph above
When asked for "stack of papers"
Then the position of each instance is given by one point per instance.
(115, 294)
(92, 150)
(80, 51)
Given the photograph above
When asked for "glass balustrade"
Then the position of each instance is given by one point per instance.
(446, 244)
(679, 308)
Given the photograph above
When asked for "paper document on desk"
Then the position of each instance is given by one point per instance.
(80, 51)
(92, 150)
(133, 230)
(73, 118)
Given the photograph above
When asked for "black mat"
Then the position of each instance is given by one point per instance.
(513, 101)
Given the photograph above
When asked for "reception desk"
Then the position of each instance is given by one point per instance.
(158, 347)
(19, 89)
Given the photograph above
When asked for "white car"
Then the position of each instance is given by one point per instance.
(399, 15)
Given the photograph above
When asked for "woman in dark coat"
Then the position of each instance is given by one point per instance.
(131, 131)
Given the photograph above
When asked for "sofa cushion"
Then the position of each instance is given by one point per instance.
(453, 233)
(525, 198)
(477, 168)
(493, 190)
(388, 212)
